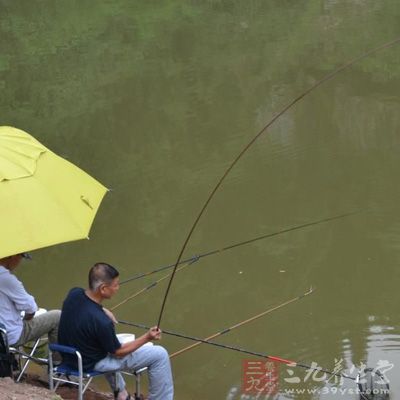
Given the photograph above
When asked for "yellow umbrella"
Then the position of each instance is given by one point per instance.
(44, 199)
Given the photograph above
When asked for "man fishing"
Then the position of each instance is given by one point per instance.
(14, 299)
(87, 326)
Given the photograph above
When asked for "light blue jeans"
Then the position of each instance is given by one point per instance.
(155, 358)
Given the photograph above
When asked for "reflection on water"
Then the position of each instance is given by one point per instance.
(155, 99)
(381, 353)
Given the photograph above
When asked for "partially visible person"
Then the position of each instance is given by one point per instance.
(14, 300)
(87, 326)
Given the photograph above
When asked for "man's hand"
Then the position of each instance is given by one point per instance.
(110, 315)
(27, 316)
(154, 333)
(129, 347)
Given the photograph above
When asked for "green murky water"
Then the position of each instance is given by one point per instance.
(155, 99)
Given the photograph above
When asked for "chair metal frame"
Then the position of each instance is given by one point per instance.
(84, 378)
(28, 358)
(20, 355)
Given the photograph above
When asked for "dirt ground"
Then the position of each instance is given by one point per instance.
(35, 388)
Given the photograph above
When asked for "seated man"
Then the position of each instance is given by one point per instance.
(87, 326)
(14, 299)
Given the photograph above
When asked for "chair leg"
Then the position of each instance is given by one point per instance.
(138, 375)
(51, 381)
(80, 397)
(28, 360)
(137, 394)
(86, 385)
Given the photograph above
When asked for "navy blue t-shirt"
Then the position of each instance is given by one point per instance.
(85, 326)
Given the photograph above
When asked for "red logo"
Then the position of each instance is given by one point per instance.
(259, 377)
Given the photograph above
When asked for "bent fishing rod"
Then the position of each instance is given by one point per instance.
(290, 363)
(249, 145)
(195, 258)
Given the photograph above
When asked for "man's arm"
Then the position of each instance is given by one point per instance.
(23, 301)
(129, 347)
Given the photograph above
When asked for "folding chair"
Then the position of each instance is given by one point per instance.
(62, 372)
(24, 360)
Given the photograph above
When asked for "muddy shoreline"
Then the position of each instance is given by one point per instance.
(34, 387)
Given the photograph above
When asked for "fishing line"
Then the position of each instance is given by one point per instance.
(242, 323)
(245, 351)
(244, 150)
(238, 244)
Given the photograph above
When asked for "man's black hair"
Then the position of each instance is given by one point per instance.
(101, 273)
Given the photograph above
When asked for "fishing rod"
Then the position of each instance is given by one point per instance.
(248, 146)
(192, 260)
(159, 269)
(152, 285)
(290, 363)
(366, 385)
(238, 244)
(251, 319)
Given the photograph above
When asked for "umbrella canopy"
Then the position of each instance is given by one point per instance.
(44, 199)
